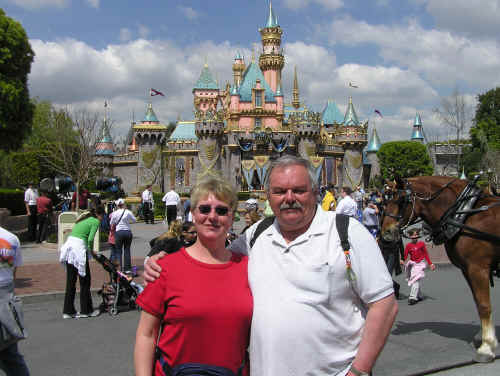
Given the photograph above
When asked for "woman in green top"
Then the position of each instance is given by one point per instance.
(75, 254)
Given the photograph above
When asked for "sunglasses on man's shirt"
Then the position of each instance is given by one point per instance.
(219, 210)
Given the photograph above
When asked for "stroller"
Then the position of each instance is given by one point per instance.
(120, 293)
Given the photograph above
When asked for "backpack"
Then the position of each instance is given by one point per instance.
(342, 223)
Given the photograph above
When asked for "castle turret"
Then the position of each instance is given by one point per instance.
(353, 138)
(295, 93)
(417, 134)
(206, 91)
(371, 154)
(271, 61)
(238, 69)
(209, 128)
(306, 125)
(104, 147)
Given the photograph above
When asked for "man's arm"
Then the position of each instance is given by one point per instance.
(151, 268)
(379, 321)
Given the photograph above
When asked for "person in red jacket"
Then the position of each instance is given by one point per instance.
(419, 259)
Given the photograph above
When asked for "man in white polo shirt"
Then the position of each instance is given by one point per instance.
(347, 205)
(309, 318)
(30, 197)
(171, 200)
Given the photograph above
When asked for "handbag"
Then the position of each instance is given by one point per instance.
(12, 327)
(112, 230)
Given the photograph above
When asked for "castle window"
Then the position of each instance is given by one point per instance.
(258, 122)
(258, 99)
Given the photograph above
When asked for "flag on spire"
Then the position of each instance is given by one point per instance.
(378, 112)
(154, 92)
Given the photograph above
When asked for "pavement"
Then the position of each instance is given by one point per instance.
(432, 337)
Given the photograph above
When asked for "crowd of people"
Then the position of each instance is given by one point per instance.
(242, 304)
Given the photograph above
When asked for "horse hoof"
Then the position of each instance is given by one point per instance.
(484, 358)
(477, 340)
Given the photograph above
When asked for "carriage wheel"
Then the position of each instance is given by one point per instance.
(113, 311)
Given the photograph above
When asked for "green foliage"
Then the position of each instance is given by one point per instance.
(22, 168)
(488, 106)
(404, 159)
(159, 209)
(16, 110)
(13, 199)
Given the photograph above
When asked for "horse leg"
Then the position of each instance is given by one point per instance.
(478, 281)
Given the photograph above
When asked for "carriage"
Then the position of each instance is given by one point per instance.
(466, 219)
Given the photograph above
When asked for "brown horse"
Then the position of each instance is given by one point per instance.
(428, 198)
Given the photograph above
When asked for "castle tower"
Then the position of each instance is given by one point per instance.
(306, 126)
(206, 91)
(371, 154)
(271, 61)
(104, 147)
(295, 93)
(353, 138)
(209, 128)
(149, 135)
(417, 134)
(238, 69)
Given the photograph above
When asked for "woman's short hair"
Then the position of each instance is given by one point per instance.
(222, 190)
(254, 216)
(174, 229)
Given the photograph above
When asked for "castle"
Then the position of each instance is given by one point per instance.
(239, 129)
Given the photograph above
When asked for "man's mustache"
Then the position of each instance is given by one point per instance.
(294, 205)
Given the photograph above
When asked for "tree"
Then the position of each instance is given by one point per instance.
(404, 159)
(16, 110)
(488, 106)
(454, 113)
(73, 153)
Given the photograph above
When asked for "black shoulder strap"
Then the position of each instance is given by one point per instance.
(264, 224)
(342, 222)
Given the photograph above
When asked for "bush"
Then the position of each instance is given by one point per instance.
(159, 209)
(13, 199)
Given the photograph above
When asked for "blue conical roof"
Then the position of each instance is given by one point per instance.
(150, 115)
(417, 134)
(331, 114)
(250, 77)
(206, 80)
(374, 142)
(278, 91)
(418, 121)
(272, 20)
(350, 115)
(463, 176)
(238, 56)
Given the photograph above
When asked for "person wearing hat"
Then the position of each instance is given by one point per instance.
(415, 266)
(121, 220)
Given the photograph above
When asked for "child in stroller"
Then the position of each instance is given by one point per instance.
(121, 291)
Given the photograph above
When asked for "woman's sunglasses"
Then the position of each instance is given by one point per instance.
(219, 210)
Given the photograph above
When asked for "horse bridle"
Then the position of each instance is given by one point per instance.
(409, 198)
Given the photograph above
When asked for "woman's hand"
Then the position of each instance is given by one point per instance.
(151, 268)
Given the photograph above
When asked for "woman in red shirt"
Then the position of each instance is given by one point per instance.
(416, 265)
(203, 303)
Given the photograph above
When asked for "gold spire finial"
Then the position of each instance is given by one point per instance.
(253, 54)
(296, 99)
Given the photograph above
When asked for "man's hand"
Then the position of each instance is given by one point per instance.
(433, 267)
(152, 269)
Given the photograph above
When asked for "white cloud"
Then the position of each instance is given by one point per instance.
(328, 4)
(125, 34)
(94, 3)
(143, 31)
(38, 4)
(441, 57)
(471, 17)
(188, 12)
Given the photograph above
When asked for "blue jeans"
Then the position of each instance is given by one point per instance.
(11, 361)
(123, 240)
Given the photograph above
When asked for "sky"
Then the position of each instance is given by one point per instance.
(405, 56)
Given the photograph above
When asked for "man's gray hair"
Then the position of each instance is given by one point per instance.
(291, 160)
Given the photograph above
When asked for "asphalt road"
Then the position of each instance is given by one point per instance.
(433, 334)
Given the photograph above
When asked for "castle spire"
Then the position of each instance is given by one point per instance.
(350, 117)
(296, 100)
(272, 20)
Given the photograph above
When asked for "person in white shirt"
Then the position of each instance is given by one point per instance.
(148, 205)
(11, 361)
(171, 200)
(30, 197)
(347, 205)
(121, 220)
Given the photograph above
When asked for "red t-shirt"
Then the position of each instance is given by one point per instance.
(208, 310)
(417, 251)
(43, 205)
